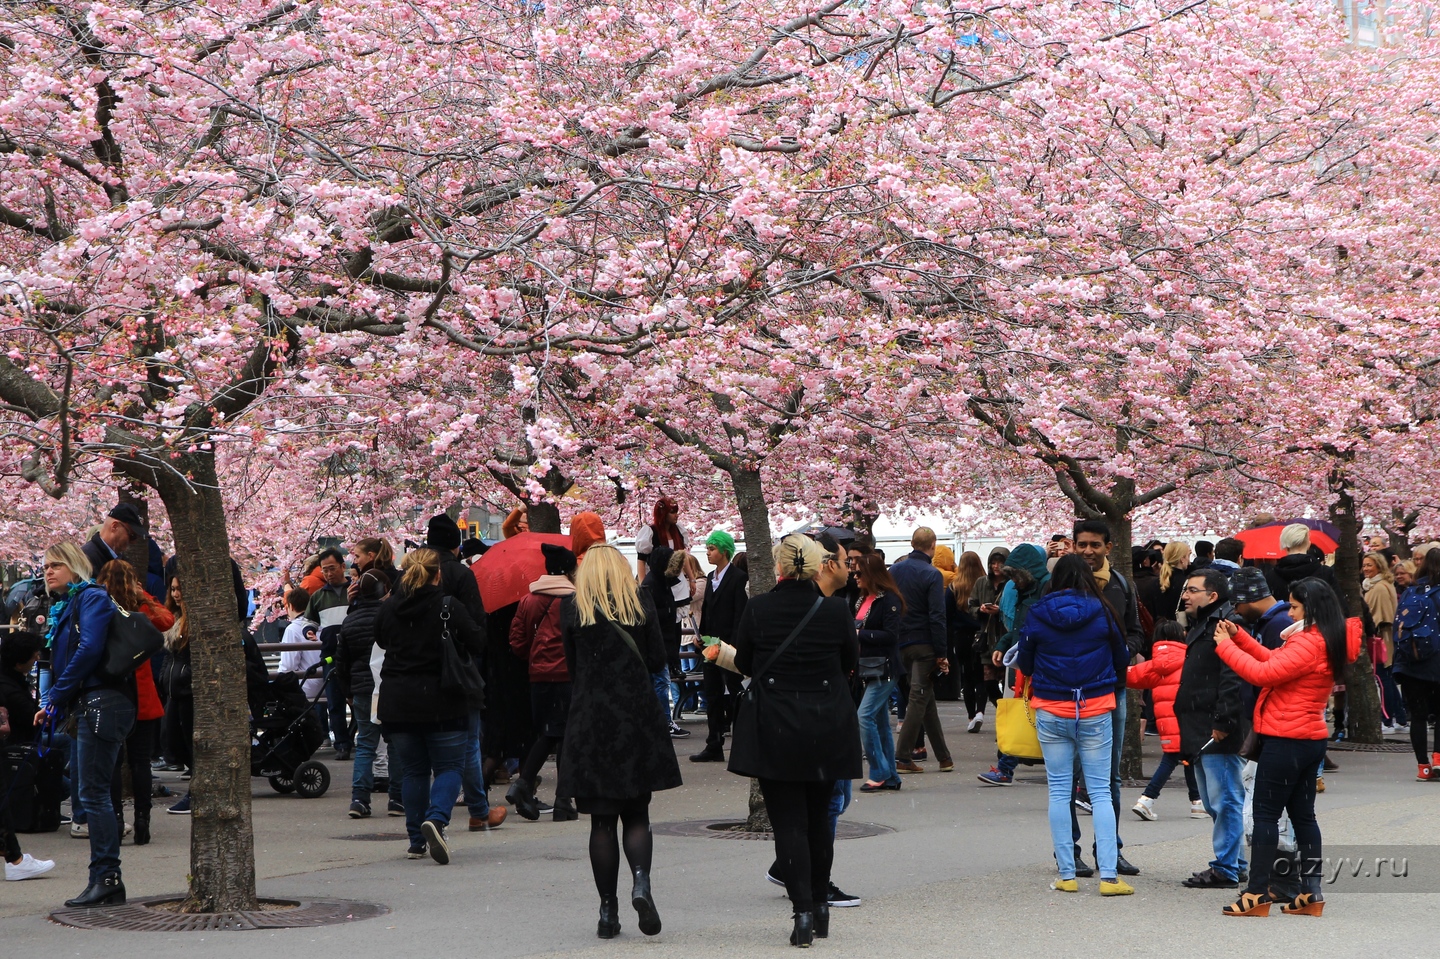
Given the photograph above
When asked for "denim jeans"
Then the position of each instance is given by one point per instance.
(839, 802)
(367, 740)
(1117, 744)
(476, 797)
(1285, 782)
(1392, 703)
(1223, 794)
(661, 681)
(104, 718)
(421, 754)
(1168, 762)
(1062, 741)
(875, 733)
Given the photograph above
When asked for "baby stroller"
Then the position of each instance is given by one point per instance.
(285, 732)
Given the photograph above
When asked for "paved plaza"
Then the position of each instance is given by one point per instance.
(964, 873)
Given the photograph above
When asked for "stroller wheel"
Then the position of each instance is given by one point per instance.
(282, 783)
(312, 779)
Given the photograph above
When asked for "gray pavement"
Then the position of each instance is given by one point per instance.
(965, 871)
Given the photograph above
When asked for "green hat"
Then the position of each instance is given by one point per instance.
(722, 541)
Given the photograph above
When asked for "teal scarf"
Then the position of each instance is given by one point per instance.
(57, 611)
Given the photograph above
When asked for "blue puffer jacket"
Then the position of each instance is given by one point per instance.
(76, 654)
(1071, 647)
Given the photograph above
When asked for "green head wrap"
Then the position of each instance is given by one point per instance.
(722, 541)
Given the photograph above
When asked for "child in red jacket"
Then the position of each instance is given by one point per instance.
(1161, 673)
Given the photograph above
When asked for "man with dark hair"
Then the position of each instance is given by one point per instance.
(1210, 707)
(1228, 554)
(1092, 544)
(1204, 555)
(327, 607)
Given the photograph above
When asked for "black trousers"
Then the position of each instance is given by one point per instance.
(1285, 782)
(9, 842)
(1422, 699)
(179, 730)
(136, 754)
(721, 689)
(804, 846)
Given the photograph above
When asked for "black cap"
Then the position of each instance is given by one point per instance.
(442, 533)
(1248, 585)
(559, 561)
(130, 516)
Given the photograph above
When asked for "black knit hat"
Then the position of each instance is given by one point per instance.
(442, 533)
(1248, 585)
(559, 561)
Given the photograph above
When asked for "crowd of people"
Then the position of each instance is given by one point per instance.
(1238, 660)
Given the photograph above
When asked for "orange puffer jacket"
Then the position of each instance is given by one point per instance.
(1162, 674)
(1294, 680)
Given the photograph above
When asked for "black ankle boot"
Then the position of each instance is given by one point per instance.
(521, 795)
(609, 926)
(565, 810)
(109, 891)
(142, 830)
(644, 904)
(822, 920)
(804, 933)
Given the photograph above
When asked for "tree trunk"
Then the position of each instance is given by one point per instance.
(1362, 699)
(759, 818)
(755, 520)
(543, 517)
(1401, 525)
(222, 846)
(1122, 532)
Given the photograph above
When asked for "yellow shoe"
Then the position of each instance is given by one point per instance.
(1065, 885)
(1116, 887)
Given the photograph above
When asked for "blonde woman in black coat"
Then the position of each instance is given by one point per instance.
(798, 733)
(617, 742)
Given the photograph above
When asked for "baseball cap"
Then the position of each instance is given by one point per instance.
(130, 516)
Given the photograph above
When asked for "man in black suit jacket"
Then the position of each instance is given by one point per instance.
(725, 599)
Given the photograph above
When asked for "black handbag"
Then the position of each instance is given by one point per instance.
(744, 738)
(459, 674)
(132, 640)
(873, 669)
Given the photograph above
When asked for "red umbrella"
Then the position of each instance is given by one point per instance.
(507, 569)
(1263, 542)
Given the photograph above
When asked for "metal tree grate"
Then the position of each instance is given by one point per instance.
(1345, 746)
(735, 829)
(377, 837)
(152, 915)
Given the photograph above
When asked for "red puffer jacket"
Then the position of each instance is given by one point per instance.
(535, 631)
(148, 705)
(1294, 680)
(1162, 674)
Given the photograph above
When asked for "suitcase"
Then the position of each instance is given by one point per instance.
(36, 787)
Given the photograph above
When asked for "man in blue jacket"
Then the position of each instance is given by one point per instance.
(923, 649)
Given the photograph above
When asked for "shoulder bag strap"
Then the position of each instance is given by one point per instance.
(788, 640)
(629, 640)
(445, 618)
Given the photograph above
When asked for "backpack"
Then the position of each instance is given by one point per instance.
(1417, 623)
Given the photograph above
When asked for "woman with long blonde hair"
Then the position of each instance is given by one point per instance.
(1175, 561)
(617, 747)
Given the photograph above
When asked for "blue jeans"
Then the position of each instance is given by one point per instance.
(875, 733)
(1117, 744)
(476, 797)
(661, 680)
(839, 802)
(1168, 762)
(1061, 742)
(103, 720)
(421, 754)
(1223, 795)
(1392, 705)
(367, 738)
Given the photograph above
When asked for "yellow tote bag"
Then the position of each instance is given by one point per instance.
(1015, 732)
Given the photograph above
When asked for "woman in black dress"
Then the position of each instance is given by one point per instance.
(617, 748)
(798, 732)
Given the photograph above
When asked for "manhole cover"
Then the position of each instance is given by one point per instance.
(1348, 747)
(735, 829)
(377, 837)
(151, 915)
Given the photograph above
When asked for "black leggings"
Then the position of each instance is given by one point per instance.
(975, 688)
(180, 730)
(138, 746)
(9, 842)
(804, 845)
(544, 746)
(1422, 699)
(605, 844)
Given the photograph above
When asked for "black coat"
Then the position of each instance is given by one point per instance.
(879, 635)
(1297, 566)
(1211, 695)
(357, 637)
(617, 738)
(15, 696)
(458, 580)
(720, 613)
(804, 729)
(1147, 590)
(408, 628)
(659, 587)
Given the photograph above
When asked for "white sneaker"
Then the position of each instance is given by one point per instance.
(1197, 810)
(79, 830)
(27, 868)
(1402, 728)
(129, 830)
(976, 722)
(1145, 808)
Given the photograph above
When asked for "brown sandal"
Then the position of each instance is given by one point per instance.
(1305, 904)
(1250, 904)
